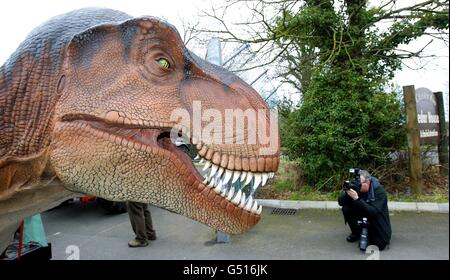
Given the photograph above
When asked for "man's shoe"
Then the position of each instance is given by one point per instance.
(352, 238)
(133, 243)
(151, 237)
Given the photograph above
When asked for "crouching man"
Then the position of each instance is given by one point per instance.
(364, 197)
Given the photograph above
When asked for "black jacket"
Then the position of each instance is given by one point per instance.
(372, 205)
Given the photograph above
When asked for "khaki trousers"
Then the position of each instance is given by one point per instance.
(141, 221)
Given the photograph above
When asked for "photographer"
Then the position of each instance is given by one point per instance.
(364, 196)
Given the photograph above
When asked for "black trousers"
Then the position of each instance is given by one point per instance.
(141, 221)
(352, 216)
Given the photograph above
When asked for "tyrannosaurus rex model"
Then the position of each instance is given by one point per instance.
(85, 107)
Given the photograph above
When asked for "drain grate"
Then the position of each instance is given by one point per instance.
(284, 212)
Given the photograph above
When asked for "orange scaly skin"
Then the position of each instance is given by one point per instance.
(85, 108)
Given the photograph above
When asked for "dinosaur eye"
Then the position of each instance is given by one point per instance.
(163, 63)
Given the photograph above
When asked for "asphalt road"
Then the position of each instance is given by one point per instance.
(88, 232)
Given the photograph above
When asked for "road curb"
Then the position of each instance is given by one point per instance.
(333, 205)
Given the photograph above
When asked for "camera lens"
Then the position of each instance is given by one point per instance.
(364, 242)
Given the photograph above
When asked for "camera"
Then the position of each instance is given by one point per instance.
(354, 182)
(364, 239)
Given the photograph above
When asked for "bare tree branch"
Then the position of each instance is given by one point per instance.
(265, 30)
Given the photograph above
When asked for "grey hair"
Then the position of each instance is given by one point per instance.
(365, 174)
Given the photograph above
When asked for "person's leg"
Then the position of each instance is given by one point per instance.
(137, 219)
(150, 232)
(351, 217)
(375, 239)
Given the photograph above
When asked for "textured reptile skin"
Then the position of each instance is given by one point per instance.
(84, 104)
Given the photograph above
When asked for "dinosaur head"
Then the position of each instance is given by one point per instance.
(126, 90)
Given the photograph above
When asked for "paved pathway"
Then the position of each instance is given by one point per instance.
(309, 234)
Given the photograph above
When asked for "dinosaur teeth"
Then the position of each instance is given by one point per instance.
(237, 199)
(227, 176)
(242, 203)
(224, 192)
(249, 204)
(228, 184)
(220, 172)
(258, 212)
(207, 165)
(265, 177)
(230, 194)
(211, 183)
(256, 182)
(244, 174)
(218, 187)
(213, 170)
(236, 176)
(249, 178)
(254, 207)
(217, 181)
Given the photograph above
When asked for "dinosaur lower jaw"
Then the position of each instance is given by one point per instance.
(218, 184)
(223, 199)
(237, 186)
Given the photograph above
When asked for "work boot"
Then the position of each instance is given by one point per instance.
(133, 243)
(352, 238)
(151, 237)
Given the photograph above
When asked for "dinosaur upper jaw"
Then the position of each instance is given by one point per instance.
(219, 193)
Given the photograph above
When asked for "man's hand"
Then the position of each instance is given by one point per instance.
(352, 194)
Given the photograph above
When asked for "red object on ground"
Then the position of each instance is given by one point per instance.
(85, 199)
(19, 253)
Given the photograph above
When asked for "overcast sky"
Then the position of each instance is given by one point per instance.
(19, 17)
